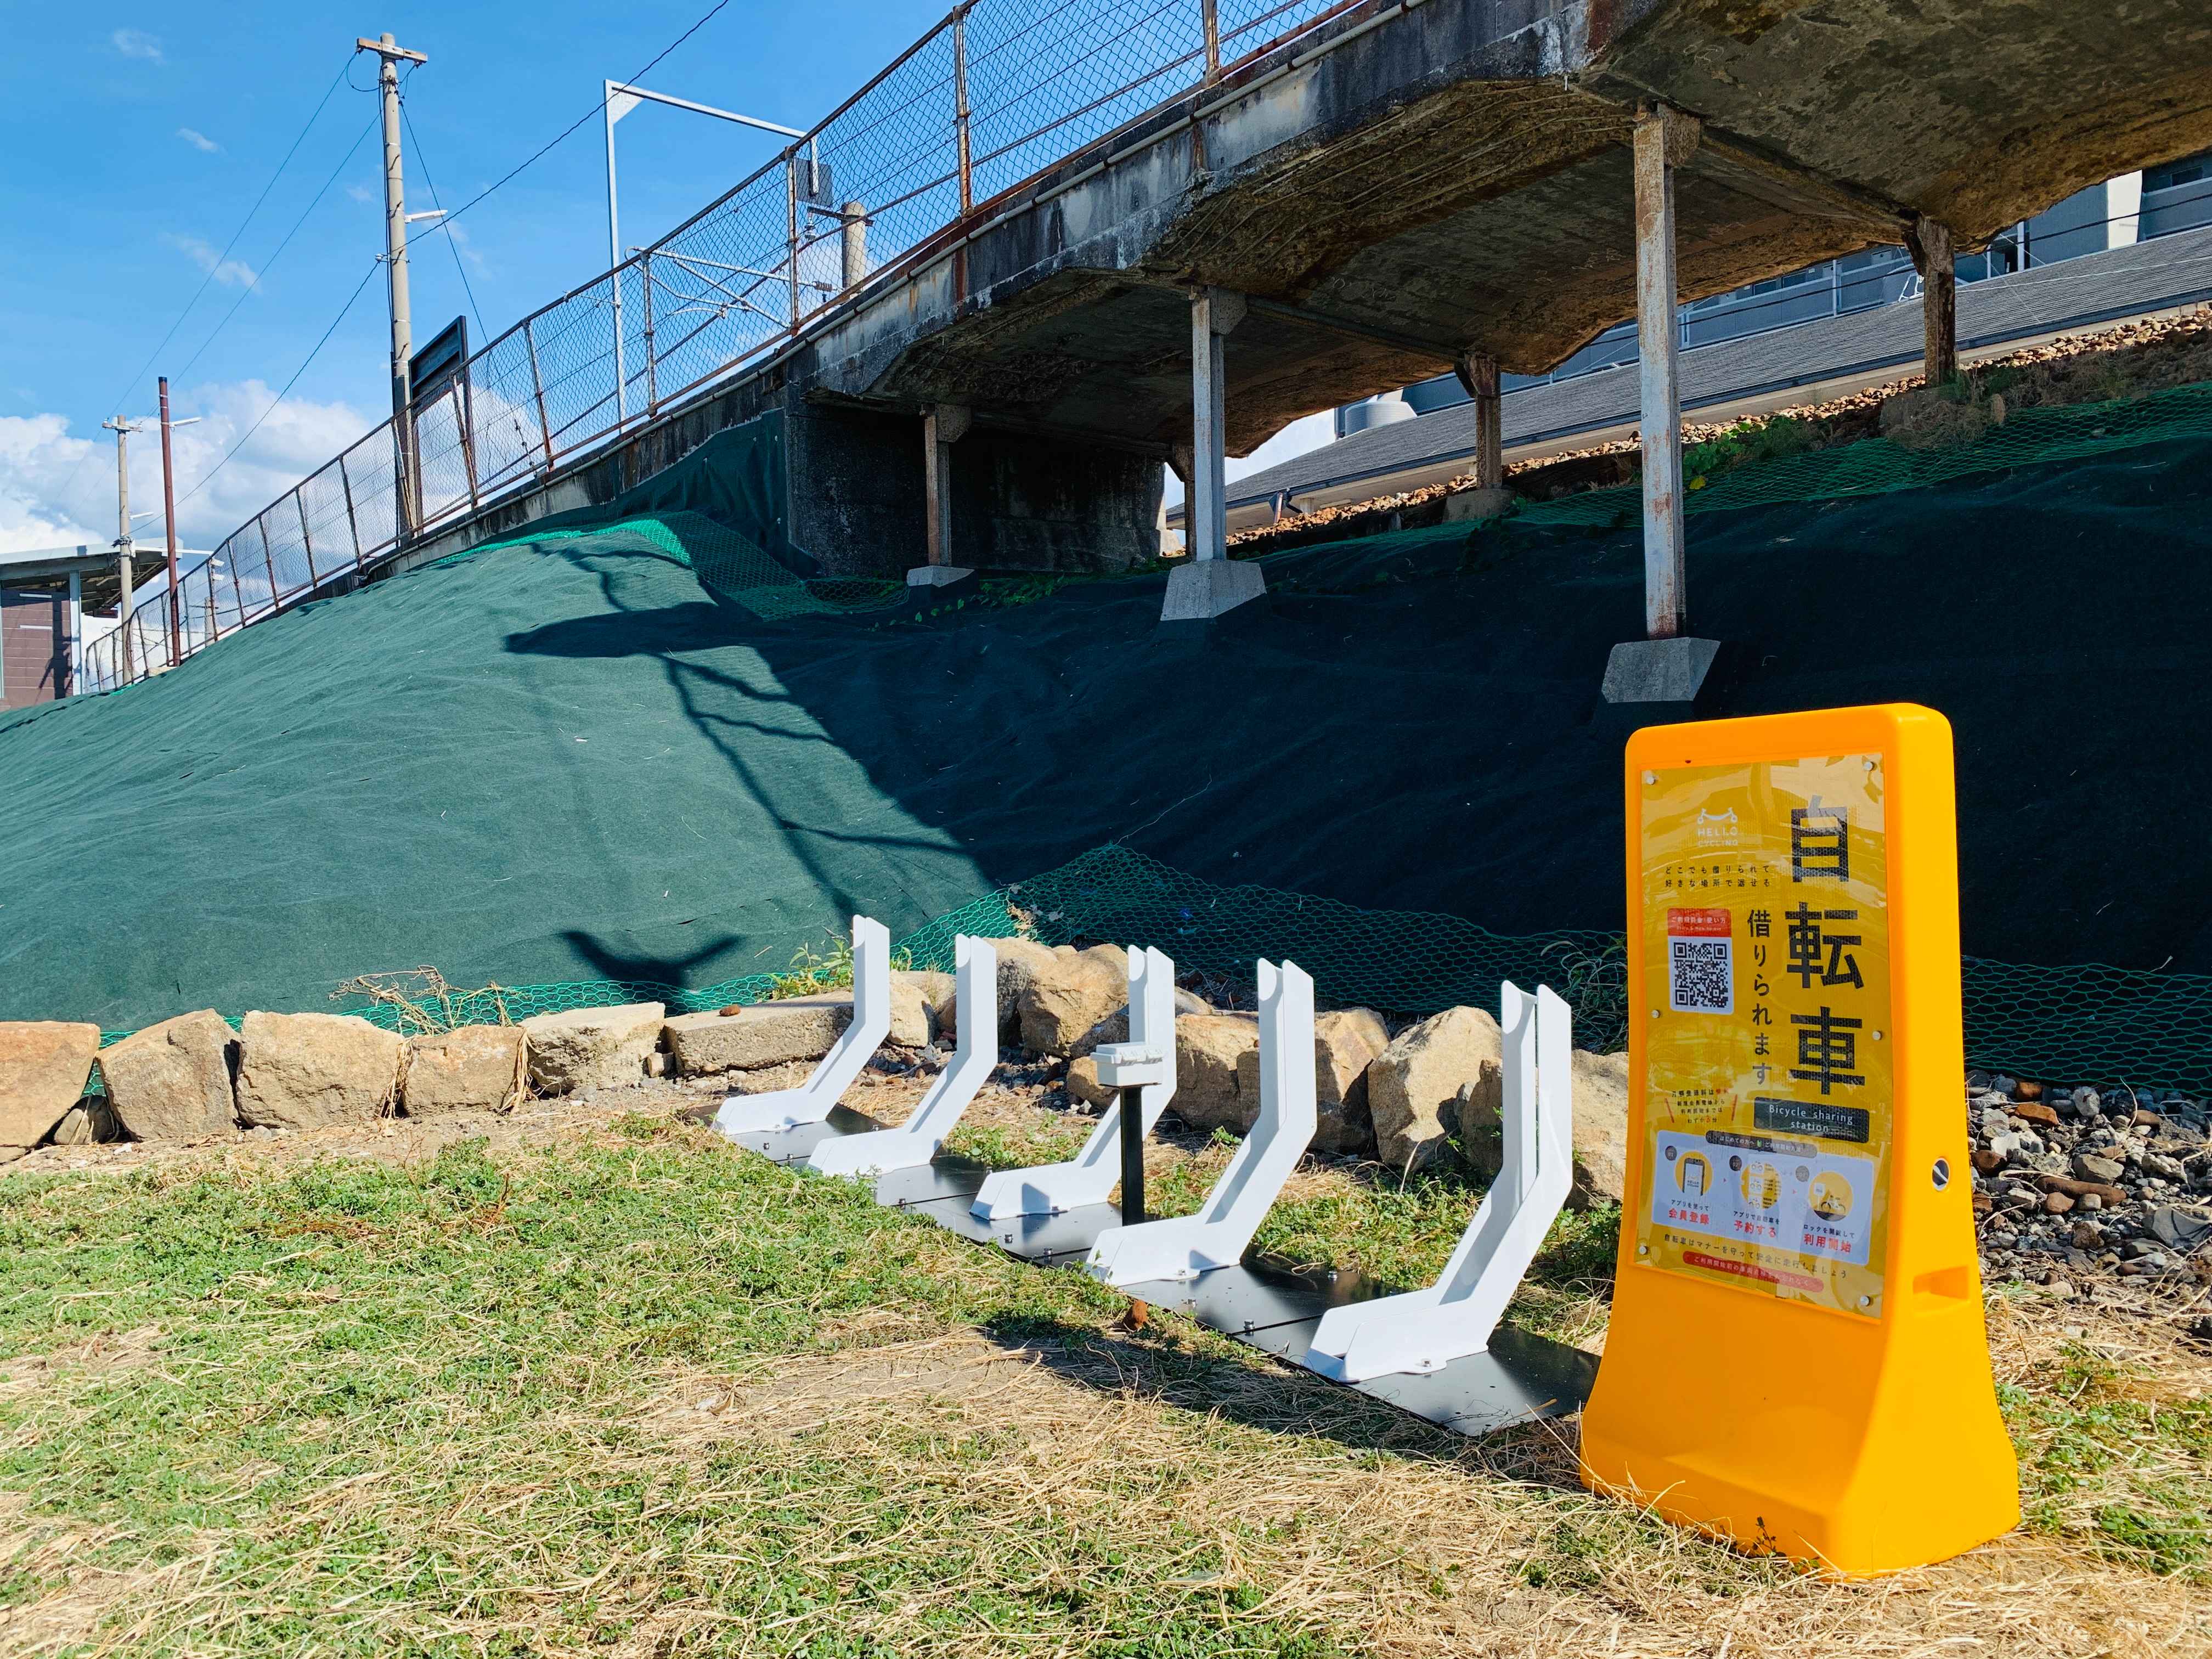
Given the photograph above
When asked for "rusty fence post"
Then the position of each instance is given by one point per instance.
(353, 524)
(1210, 13)
(306, 538)
(960, 110)
(538, 387)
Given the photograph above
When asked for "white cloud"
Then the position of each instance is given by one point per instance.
(231, 273)
(468, 250)
(199, 140)
(136, 43)
(362, 192)
(58, 488)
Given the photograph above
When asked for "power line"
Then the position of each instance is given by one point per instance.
(269, 263)
(588, 115)
(301, 139)
(416, 138)
(288, 384)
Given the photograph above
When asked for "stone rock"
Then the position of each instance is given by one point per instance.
(1020, 961)
(87, 1122)
(1600, 1132)
(1208, 1049)
(2034, 1111)
(760, 1034)
(44, 1067)
(303, 1071)
(592, 1048)
(1063, 1001)
(2104, 1170)
(173, 1081)
(1115, 1028)
(1445, 1073)
(1345, 1043)
(916, 996)
(1083, 1083)
(475, 1068)
(2182, 1229)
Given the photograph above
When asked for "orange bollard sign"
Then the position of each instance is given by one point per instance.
(1797, 1359)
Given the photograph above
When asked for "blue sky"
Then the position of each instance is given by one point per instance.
(136, 140)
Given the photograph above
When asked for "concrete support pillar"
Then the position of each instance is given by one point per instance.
(1214, 313)
(75, 654)
(1478, 376)
(1664, 140)
(1663, 673)
(1930, 244)
(853, 242)
(1211, 584)
(943, 425)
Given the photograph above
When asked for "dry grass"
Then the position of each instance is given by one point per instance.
(632, 1393)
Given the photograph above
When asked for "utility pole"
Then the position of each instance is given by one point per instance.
(123, 429)
(395, 273)
(169, 518)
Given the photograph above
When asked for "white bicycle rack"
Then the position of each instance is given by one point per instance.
(1089, 1178)
(1426, 1330)
(811, 1102)
(917, 1141)
(1184, 1247)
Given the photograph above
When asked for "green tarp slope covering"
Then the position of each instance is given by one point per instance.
(566, 759)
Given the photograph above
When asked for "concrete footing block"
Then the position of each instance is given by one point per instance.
(1659, 671)
(1473, 506)
(937, 575)
(1207, 588)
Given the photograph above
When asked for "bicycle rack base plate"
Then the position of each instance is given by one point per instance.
(1521, 1377)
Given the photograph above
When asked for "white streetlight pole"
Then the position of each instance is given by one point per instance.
(619, 101)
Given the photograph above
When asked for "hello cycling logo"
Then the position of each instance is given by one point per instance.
(1718, 828)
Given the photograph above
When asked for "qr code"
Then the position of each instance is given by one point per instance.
(1702, 976)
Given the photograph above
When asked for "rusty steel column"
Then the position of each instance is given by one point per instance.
(1665, 139)
(1929, 242)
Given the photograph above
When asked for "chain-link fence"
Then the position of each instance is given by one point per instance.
(996, 93)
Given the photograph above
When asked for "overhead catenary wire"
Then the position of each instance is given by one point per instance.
(268, 264)
(569, 132)
(300, 138)
(452, 243)
(243, 437)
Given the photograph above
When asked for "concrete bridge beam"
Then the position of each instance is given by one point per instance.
(1209, 585)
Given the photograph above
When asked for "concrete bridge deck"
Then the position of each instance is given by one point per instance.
(1409, 186)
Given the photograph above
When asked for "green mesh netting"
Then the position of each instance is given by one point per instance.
(1877, 466)
(2085, 1023)
(731, 565)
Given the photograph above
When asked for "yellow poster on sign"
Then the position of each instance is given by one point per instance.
(1797, 1359)
(1765, 918)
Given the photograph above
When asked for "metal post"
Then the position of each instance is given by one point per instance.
(651, 373)
(1931, 248)
(854, 243)
(538, 387)
(1210, 13)
(353, 524)
(268, 565)
(468, 448)
(395, 271)
(960, 108)
(1132, 1157)
(615, 258)
(306, 539)
(1664, 140)
(1213, 312)
(123, 429)
(169, 516)
(791, 184)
